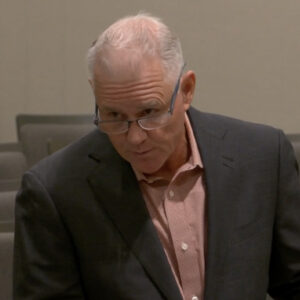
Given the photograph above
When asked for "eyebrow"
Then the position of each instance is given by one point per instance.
(150, 104)
(153, 103)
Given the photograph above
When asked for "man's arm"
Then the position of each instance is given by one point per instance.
(44, 260)
(285, 262)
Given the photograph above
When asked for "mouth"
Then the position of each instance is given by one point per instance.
(141, 153)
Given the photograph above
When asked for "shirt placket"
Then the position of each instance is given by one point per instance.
(183, 242)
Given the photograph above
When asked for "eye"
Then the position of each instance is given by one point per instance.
(149, 112)
(113, 115)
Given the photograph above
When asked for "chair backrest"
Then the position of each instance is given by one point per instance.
(41, 135)
(6, 263)
(7, 211)
(10, 185)
(296, 146)
(12, 166)
(295, 140)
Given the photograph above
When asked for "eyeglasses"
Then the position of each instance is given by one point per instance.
(147, 123)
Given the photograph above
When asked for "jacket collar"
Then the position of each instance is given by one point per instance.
(219, 154)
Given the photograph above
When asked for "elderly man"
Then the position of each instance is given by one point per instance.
(161, 201)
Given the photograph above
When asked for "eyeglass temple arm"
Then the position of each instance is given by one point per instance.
(96, 118)
(176, 89)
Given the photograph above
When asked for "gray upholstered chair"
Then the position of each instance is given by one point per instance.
(7, 208)
(12, 165)
(6, 263)
(41, 135)
(295, 139)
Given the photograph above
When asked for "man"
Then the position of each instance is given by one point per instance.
(163, 201)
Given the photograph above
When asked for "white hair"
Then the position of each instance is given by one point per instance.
(142, 34)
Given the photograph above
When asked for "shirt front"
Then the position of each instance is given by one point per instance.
(177, 210)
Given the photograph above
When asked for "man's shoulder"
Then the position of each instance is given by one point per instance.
(236, 135)
(75, 160)
(219, 125)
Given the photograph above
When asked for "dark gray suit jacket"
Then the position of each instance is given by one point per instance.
(83, 230)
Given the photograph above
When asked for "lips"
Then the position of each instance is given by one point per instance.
(140, 153)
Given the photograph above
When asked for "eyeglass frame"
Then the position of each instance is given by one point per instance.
(97, 120)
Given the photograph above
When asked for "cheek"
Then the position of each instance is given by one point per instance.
(118, 143)
(168, 137)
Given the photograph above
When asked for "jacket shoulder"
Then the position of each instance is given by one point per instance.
(76, 160)
(220, 125)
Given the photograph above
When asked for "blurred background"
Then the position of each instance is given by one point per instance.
(246, 54)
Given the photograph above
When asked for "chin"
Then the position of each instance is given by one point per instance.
(147, 168)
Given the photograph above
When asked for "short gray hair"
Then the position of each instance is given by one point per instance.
(143, 33)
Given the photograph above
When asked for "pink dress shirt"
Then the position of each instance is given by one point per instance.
(177, 209)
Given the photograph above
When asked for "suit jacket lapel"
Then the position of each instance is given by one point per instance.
(218, 152)
(115, 184)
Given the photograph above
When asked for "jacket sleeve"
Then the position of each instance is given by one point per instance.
(44, 258)
(285, 261)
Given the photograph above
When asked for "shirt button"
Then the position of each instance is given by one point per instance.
(184, 247)
(171, 193)
(195, 298)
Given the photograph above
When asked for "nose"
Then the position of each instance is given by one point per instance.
(135, 134)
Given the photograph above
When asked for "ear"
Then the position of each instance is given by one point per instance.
(187, 87)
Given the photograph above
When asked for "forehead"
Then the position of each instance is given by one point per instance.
(122, 66)
(143, 81)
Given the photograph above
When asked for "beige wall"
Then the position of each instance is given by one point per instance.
(246, 54)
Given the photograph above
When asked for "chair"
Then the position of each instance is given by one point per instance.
(295, 140)
(7, 208)
(12, 166)
(6, 263)
(293, 137)
(41, 135)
